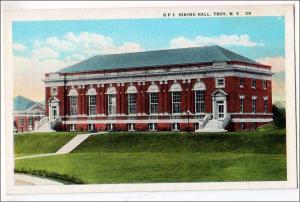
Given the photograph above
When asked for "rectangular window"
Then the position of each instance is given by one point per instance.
(152, 126)
(199, 102)
(265, 106)
(111, 104)
(110, 127)
(73, 105)
(242, 126)
(92, 104)
(72, 127)
(91, 127)
(153, 103)
(265, 84)
(54, 91)
(176, 97)
(132, 103)
(253, 105)
(241, 82)
(220, 83)
(253, 83)
(175, 127)
(30, 121)
(21, 121)
(131, 127)
(242, 105)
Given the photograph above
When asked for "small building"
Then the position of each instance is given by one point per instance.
(196, 89)
(27, 114)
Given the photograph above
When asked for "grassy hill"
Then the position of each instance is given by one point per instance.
(40, 143)
(168, 157)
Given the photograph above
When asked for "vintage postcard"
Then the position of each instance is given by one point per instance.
(149, 99)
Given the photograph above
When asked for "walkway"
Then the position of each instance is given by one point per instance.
(67, 148)
(22, 179)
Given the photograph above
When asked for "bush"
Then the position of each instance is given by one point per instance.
(279, 116)
(45, 173)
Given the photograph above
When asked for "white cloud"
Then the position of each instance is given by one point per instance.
(59, 44)
(19, 47)
(277, 63)
(222, 40)
(44, 53)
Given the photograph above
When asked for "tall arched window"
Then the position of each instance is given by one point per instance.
(153, 91)
(176, 98)
(92, 101)
(111, 101)
(131, 99)
(199, 89)
(73, 95)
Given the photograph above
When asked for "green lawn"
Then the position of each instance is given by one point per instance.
(170, 157)
(40, 143)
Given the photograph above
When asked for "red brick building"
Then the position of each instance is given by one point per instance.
(203, 89)
(27, 114)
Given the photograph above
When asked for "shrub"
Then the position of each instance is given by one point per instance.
(45, 173)
(278, 116)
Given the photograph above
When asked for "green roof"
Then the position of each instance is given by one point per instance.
(21, 103)
(205, 54)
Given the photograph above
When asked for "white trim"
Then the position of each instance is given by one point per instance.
(199, 86)
(242, 96)
(131, 89)
(176, 87)
(111, 90)
(254, 97)
(239, 120)
(250, 113)
(91, 91)
(153, 88)
(73, 92)
(266, 97)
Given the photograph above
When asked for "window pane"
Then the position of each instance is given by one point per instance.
(131, 103)
(73, 105)
(92, 104)
(199, 101)
(176, 102)
(153, 103)
(111, 104)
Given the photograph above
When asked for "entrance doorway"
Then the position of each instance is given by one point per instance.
(220, 106)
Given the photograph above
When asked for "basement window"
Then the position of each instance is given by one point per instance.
(72, 127)
(152, 126)
(131, 127)
(110, 127)
(175, 127)
(91, 127)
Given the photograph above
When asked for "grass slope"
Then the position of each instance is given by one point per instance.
(40, 143)
(245, 142)
(171, 157)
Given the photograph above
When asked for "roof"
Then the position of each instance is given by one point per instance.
(22, 104)
(205, 54)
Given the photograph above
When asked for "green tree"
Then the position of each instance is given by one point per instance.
(278, 116)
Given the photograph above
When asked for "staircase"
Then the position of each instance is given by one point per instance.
(43, 125)
(215, 125)
(72, 144)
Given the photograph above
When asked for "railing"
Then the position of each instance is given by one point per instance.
(203, 121)
(224, 122)
(41, 122)
(54, 123)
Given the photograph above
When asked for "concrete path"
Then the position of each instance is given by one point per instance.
(22, 179)
(67, 148)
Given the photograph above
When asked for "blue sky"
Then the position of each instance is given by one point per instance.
(55, 44)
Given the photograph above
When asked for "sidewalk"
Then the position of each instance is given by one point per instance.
(22, 179)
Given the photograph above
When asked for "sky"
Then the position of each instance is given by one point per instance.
(40, 47)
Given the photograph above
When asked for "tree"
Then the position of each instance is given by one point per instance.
(278, 116)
